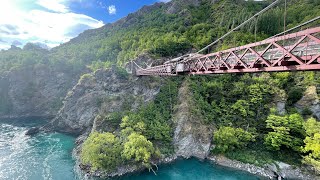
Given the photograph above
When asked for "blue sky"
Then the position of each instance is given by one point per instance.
(53, 22)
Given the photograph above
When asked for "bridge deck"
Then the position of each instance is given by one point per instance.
(292, 52)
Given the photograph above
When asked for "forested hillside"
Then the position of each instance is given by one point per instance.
(242, 108)
(165, 30)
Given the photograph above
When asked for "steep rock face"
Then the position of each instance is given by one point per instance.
(103, 92)
(310, 100)
(191, 136)
(33, 91)
(280, 100)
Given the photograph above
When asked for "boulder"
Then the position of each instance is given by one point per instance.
(32, 131)
(288, 171)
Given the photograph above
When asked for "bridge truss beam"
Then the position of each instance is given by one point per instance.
(292, 52)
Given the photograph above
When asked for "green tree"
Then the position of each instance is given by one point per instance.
(241, 107)
(311, 126)
(102, 151)
(138, 148)
(228, 138)
(312, 144)
(133, 122)
(95, 65)
(279, 137)
(287, 131)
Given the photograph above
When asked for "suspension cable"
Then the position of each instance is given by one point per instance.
(255, 30)
(137, 65)
(239, 26)
(222, 37)
(285, 15)
(284, 24)
(298, 26)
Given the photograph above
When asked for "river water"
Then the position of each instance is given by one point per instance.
(48, 157)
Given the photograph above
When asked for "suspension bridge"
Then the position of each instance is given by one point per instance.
(299, 51)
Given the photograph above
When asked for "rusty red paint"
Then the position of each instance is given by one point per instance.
(267, 55)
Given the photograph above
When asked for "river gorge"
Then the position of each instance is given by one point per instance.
(49, 156)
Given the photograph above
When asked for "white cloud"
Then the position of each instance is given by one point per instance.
(54, 5)
(112, 9)
(59, 26)
(53, 26)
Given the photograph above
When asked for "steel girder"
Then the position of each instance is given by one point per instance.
(291, 52)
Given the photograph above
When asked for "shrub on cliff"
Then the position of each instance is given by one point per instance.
(139, 149)
(287, 131)
(85, 77)
(228, 138)
(102, 151)
(312, 144)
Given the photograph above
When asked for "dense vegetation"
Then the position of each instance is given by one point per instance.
(228, 138)
(312, 144)
(242, 108)
(140, 136)
(286, 131)
(102, 151)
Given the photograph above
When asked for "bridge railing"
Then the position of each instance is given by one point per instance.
(295, 51)
(162, 70)
(298, 51)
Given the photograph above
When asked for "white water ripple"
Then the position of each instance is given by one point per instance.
(34, 158)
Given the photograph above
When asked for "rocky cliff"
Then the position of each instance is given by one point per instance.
(192, 138)
(310, 101)
(33, 91)
(102, 92)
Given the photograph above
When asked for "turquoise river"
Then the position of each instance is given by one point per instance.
(48, 157)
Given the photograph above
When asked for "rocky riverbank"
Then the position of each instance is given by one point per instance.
(278, 170)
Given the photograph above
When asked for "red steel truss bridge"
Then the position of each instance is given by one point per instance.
(298, 51)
